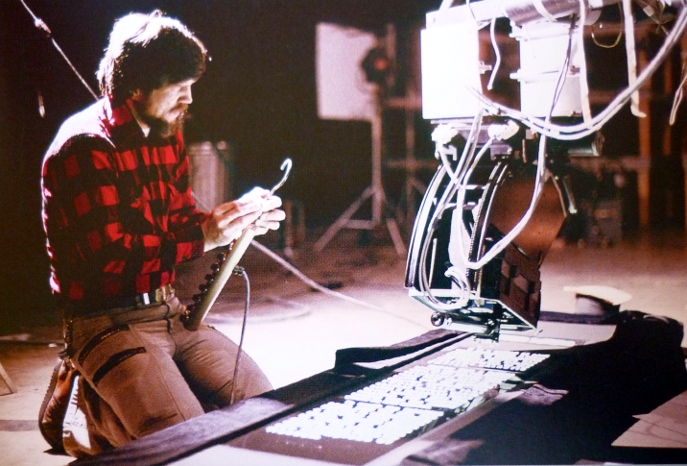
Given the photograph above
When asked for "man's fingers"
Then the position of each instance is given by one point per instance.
(263, 225)
(258, 199)
(227, 213)
(270, 220)
(229, 220)
(271, 203)
(275, 215)
(255, 193)
(246, 221)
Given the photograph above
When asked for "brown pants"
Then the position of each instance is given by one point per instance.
(151, 372)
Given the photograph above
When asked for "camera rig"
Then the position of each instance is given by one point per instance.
(502, 191)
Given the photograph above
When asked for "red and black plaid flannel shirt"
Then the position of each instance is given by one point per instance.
(117, 207)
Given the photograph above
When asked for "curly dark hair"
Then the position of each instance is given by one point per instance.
(147, 51)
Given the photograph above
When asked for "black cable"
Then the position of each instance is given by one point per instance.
(40, 24)
(242, 272)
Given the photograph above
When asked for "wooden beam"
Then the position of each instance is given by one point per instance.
(643, 173)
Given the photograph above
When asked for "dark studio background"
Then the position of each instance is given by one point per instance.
(259, 94)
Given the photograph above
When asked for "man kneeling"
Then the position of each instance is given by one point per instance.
(119, 216)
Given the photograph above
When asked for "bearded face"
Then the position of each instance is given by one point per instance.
(164, 108)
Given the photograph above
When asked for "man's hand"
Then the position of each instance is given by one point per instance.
(255, 209)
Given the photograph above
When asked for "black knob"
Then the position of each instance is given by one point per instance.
(437, 319)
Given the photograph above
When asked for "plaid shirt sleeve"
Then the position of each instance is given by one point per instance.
(118, 221)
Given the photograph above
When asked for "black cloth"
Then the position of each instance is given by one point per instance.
(574, 414)
(374, 354)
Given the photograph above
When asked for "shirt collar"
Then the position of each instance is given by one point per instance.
(122, 122)
(144, 126)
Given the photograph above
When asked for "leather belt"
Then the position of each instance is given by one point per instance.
(139, 301)
(157, 296)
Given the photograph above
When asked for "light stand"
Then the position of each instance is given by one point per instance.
(374, 192)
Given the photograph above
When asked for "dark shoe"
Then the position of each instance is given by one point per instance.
(54, 406)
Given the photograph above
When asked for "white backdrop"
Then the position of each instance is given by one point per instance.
(342, 91)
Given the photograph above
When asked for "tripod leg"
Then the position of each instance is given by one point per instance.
(395, 233)
(391, 224)
(343, 220)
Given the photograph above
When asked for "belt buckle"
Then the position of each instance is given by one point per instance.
(161, 294)
(157, 296)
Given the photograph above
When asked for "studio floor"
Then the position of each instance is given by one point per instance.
(293, 331)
